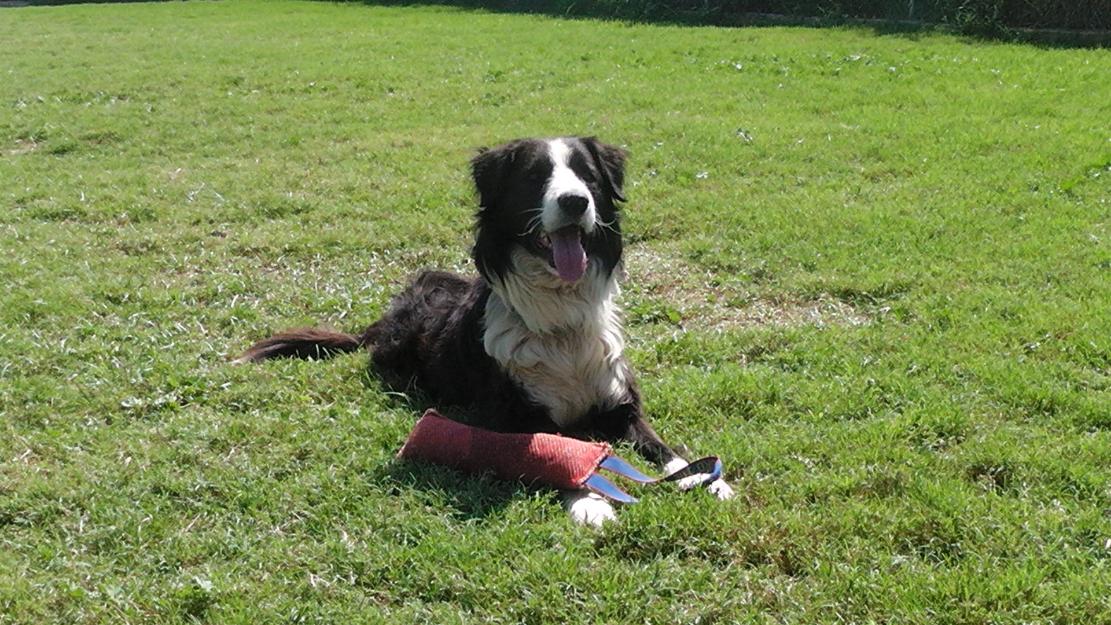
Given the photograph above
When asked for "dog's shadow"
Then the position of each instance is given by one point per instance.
(466, 497)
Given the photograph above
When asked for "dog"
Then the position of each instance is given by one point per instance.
(534, 343)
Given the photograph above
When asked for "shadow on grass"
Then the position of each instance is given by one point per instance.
(466, 497)
(910, 29)
(907, 29)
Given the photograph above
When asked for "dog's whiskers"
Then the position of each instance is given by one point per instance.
(532, 224)
(608, 225)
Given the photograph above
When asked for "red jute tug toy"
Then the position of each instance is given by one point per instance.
(550, 459)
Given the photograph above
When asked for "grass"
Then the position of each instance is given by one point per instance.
(871, 272)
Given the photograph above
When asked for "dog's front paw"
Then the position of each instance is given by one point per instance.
(587, 508)
(720, 489)
(686, 483)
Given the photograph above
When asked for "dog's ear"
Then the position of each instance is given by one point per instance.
(610, 160)
(488, 168)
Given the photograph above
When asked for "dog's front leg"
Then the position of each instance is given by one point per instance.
(627, 423)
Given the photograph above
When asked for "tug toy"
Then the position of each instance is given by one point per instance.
(550, 459)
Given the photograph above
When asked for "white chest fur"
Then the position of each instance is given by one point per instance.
(562, 344)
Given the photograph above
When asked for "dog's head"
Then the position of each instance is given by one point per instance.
(553, 200)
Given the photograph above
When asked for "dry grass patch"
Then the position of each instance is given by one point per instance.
(664, 286)
(23, 146)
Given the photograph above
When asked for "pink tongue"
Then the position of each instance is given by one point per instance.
(568, 253)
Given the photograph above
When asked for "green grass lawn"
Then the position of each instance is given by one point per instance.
(873, 273)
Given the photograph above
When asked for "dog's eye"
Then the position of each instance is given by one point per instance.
(536, 176)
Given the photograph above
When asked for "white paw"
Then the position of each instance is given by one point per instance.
(674, 465)
(720, 489)
(588, 508)
(687, 483)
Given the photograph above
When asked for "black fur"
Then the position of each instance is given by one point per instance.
(431, 337)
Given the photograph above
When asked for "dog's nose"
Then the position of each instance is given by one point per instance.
(573, 205)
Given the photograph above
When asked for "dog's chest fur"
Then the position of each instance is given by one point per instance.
(563, 346)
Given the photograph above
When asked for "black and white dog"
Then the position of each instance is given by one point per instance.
(534, 343)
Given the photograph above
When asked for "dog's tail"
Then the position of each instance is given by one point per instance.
(305, 343)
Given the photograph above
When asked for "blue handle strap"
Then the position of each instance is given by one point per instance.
(607, 489)
(711, 466)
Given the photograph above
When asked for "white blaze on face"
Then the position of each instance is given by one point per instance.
(564, 181)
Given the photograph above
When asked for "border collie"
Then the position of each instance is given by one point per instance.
(534, 343)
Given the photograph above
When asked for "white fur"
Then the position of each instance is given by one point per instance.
(561, 342)
(718, 487)
(674, 465)
(588, 508)
(564, 181)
